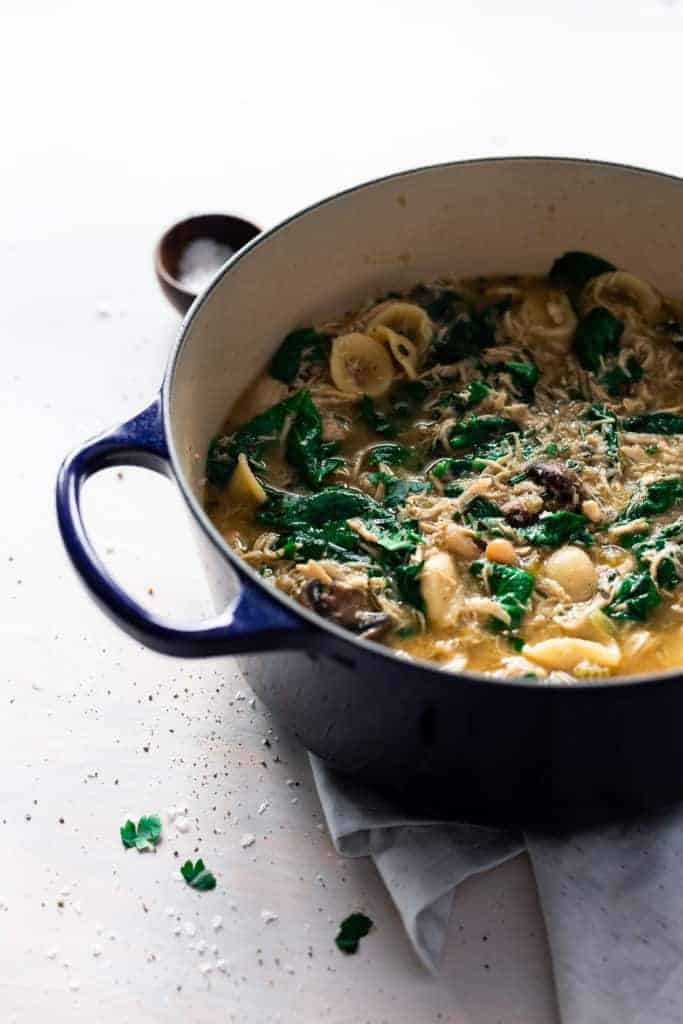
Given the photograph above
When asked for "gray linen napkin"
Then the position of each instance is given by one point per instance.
(612, 897)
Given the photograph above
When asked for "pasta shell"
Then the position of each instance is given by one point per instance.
(243, 487)
(403, 350)
(566, 653)
(544, 316)
(405, 318)
(622, 294)
(440, 590)
(361, 365)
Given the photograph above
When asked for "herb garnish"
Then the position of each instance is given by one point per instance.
(351, 931)
(636, 597)
(197, 877)
(556, 528)
(145, 836)
(476, 429)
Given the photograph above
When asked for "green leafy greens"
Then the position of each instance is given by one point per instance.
(653, 499)
(376, 420)
(555, 528)
(305, 448)
(197, 876)
(476, 429)
(636, 597)
(510, 586)
(597, 338)
(390, 453)
(145, 836)
(577, 268)
(653, 423)
(287, 360)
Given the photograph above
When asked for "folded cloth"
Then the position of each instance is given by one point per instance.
(612, 896)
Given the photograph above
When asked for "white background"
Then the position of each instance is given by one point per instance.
(115, 120)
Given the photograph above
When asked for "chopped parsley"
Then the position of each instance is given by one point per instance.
(351, 931)
(143, 837)
(197, 877)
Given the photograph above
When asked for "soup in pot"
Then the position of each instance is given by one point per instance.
(486, 473)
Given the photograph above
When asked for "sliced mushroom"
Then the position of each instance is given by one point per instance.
(562, 487)
(347, 606)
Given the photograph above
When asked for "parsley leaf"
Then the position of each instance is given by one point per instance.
(351, 931)
(145, 836)
(197, 877)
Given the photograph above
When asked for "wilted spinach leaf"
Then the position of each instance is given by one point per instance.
(376, 420)
(653, 423)
(509, 585)
(481, 508)
(596, 338)
(556, 528)
(305, 447)
(667, 571)
(390, 452)
(287, 360)
(577, 268)
(407, 579)
(653, 499)
(618, 380)
(636, 597)
(476, 429)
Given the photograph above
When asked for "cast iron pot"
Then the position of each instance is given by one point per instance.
(513, 751)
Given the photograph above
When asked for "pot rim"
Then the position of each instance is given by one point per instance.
(242, 569)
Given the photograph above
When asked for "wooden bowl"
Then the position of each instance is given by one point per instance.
(222, 228)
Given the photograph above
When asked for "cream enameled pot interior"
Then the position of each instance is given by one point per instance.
(485, 217)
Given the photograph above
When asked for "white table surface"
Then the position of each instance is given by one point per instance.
(116, 120)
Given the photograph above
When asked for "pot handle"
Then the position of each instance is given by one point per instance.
(253, 622)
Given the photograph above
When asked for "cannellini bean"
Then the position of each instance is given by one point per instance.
(573, 570)
(567, 652)
(440, 589)
(459, 540)
(501, 550)
(591, 510)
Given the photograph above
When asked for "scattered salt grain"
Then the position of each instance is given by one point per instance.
(97, 950)
(205, 968)
(252, 702)
(74, 985)
(189, 928)
(267, 916)
(201, 946)
(247, 840)
(170, 911)
(112, 936)
(217, 922)
(214, 949)
(289, 969)
(199, 261)
(103, 311)
(263, 807)
(176, 930)
(221, 965)
(182, 825)
(51, 954)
